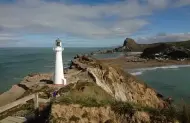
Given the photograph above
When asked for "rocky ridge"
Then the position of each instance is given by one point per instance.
(122, 86)
(169, 50)
(97, 93)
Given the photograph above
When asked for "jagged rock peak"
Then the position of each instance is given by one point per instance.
(128, 41)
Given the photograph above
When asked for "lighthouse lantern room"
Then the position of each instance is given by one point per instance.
(59, 75)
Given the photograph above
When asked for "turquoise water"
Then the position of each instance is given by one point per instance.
(171, 81)
(16, 63)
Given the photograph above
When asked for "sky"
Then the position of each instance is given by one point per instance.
(92, 23)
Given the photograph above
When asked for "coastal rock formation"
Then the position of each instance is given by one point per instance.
(171, 50)
(122, 86)
(117, 83)
(84, 102)
(165, 51)
(97, 92)
(130, 45)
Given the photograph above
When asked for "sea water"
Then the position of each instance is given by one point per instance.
(16, 63)
(170, 81)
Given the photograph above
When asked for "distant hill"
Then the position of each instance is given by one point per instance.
(185, 44)
(166, 50)
(130, 45)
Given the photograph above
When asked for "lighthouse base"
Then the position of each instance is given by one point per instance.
(64, 81)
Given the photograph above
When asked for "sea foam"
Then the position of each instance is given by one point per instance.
(140, 71)
(136, 73)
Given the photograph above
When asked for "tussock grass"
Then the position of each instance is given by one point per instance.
(83, 93)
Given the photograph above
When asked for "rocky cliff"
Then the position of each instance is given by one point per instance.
(107, 94)
(85, 102)
(122, 86)
(176, 49)
(97, 93)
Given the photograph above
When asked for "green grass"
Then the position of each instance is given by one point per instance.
(84, 93)
(185, 44)
(121, 108)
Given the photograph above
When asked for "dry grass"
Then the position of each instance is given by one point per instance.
(84, 93)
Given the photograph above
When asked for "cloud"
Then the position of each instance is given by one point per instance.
(158, 4)
(87, 21)
(180, 3)
(120, 19)
(163, 37)
(7, 39)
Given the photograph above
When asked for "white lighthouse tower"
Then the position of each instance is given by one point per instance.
(59, 75)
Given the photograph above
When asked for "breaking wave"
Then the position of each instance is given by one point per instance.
(140, 71)
(136, 73)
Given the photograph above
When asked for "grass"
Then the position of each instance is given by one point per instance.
(12, 111)
(185, 44)
(167, 115)
(45, 89)
(86, 93)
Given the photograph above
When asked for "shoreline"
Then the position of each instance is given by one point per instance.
(139, 71)
(118, 61)
(124, 63)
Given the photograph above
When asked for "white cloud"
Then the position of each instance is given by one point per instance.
(80, 20)
(7, 37)
(180, 3)
(165, 38)
(158, 4)
(119, 19)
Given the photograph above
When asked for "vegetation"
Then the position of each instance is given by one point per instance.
(74, 118)
(28, 107)
(89, 95)
(185, 44)
(84, 93)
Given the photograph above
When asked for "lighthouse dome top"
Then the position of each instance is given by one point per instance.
(58, 42)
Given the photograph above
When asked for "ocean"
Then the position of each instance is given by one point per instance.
(170, 81)
(16, 63)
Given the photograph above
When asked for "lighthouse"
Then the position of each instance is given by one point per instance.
(59, 78)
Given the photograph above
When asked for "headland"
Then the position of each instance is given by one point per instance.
(101, 91)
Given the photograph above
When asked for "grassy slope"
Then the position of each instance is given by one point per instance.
(185, 44)
(90, 95)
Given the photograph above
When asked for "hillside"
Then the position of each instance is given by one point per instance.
(184, 44)
(131, 45)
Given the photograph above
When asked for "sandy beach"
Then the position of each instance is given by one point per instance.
(125, 63)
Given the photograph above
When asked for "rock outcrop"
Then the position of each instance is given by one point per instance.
(122, 86)
(117, 83)
(130, 45)
(97, 93)
(165, 51)
(173, 50)
(85, 102)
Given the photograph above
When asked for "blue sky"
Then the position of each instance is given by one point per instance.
(87, 23)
